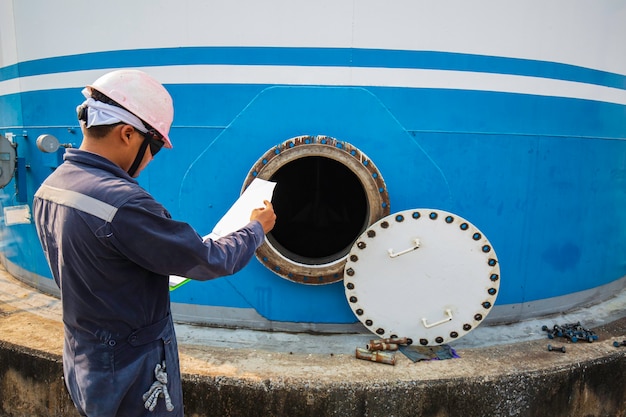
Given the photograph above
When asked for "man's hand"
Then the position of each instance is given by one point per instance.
(265, 216)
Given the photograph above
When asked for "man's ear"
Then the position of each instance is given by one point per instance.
(126, 132)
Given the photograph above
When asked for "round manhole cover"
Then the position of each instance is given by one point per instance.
(425, 274)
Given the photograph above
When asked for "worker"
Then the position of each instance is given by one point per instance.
(111, 248)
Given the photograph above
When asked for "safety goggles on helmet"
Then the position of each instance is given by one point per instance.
(155, 140)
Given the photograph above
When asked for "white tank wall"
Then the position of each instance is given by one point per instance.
(8, 50)
(556, 31)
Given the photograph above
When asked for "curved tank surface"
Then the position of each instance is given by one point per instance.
(509, 115)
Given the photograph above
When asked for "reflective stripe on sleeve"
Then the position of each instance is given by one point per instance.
(78, 201)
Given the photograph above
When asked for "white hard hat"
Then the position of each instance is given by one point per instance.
(141, 95)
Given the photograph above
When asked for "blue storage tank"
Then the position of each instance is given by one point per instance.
(512, 116)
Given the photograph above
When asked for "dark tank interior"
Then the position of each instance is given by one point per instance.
(321, 209)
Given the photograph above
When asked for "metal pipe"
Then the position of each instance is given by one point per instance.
(377, 356)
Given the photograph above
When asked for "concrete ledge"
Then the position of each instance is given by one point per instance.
(245, 373)
(593, 388)
(32, 385)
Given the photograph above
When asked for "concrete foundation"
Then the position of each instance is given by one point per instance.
(502, 371)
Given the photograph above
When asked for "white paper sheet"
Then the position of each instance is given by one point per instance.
(237, 216)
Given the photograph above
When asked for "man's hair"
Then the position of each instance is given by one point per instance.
(98, 132)
(98, 96)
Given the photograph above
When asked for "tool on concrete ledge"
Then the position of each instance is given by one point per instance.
(618, 344)
(388, 343)
(374, 349)
(403, 344)
(381, 346)
(572, 331)
(393, 340)
(556, 349)
(376, 356)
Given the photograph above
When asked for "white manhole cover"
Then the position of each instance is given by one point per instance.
(425, 274)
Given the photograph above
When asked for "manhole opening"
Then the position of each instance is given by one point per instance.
(321, 208)
(327, 193)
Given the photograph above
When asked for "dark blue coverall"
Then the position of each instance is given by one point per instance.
(111, 248)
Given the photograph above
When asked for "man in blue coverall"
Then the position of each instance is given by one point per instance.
(111, 248)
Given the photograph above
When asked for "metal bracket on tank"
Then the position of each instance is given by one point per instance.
(416, 245)
(448, 313)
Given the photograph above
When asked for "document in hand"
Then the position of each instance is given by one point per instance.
(237, 216)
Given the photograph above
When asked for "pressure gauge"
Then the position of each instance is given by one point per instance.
(47, 143)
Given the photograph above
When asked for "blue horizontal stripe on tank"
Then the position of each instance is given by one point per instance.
(419, 110)
(329, 57)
